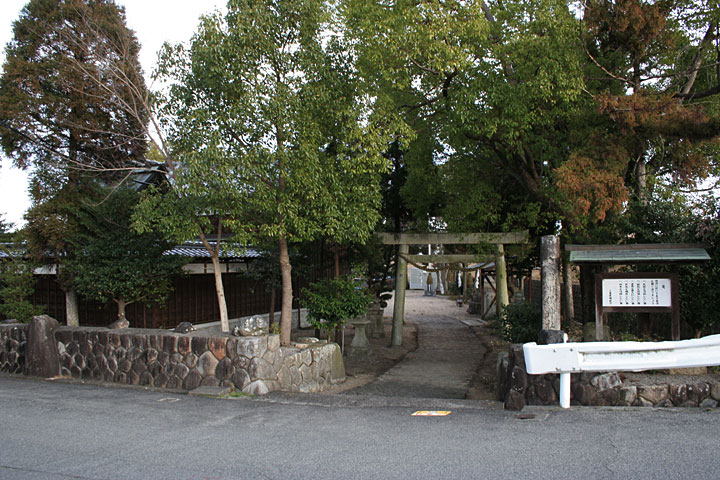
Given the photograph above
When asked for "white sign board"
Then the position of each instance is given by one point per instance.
(636, 292)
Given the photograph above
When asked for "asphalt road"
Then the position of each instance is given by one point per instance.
(54, 430)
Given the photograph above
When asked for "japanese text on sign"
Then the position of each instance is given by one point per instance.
(636, 292)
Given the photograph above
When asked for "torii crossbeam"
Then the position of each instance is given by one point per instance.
(404, 240)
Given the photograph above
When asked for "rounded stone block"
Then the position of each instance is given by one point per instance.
(210, 382)
(79, 361)
(207, 363)
(653, 393)
(112, 364)
(183, 345)
(181, 370)
(170, 343)
(295, 375)
(190, 360)
(174, 382)
(155, 369)
(715, 391)
(192, 380)
(241, 362)
(252, 346)
(240, 378)
(258, 387)
(306, 373)
(678, 394)
(146, 378)
(284, 378)
(199, 345)
(101, 362)
(124, 365)
(133, 378)
(231, 347)
(161, 380)
(273, 343)
(218, 346)
(627, 395)
(163, 358)
(260, 369)
(224, 369)
(151, 355)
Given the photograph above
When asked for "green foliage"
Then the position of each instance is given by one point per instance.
(17, 284)
(58, 102)
(520, 322)
(271, 131)
(331, 303)
(64, 83)
(113, 262)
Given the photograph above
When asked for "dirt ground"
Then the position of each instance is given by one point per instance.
(383, 358)
(362, 371)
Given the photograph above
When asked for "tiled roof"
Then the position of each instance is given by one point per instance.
(197, 250)
(13, 248)
(188, 249)
(635, 254)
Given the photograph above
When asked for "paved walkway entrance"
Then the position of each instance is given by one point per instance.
(447, 356)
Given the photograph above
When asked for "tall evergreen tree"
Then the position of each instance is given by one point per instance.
(60, 93)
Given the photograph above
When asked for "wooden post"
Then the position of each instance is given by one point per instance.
(550, 269)
(501, 280)
(399, 306)
(568, 287)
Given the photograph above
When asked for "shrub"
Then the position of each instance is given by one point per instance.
(519, 322)
(331, 303)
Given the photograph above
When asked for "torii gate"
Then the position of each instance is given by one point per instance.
(404, 240)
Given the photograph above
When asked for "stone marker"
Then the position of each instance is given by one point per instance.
(119, 323)
(360, 346)
(41, 352)
(251, 327)
(184, 327)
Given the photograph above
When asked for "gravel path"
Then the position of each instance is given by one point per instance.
(447, 356)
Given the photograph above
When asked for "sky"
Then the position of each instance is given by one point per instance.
(154, 22)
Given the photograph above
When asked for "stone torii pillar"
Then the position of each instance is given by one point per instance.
(404, 240)
(399, 305)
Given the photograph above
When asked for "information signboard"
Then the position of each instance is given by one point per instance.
(647, 292)
(636, 292)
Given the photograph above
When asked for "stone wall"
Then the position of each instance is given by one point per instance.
(13, 340)
(517, 389)
(163, 359)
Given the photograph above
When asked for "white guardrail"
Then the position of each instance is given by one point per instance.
(567, 358)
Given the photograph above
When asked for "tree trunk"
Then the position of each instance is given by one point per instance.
(501, 280)
(568, 287)
(71, 308)
(336, 252)
(121, 308)
(287, 292)
(220, 291)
